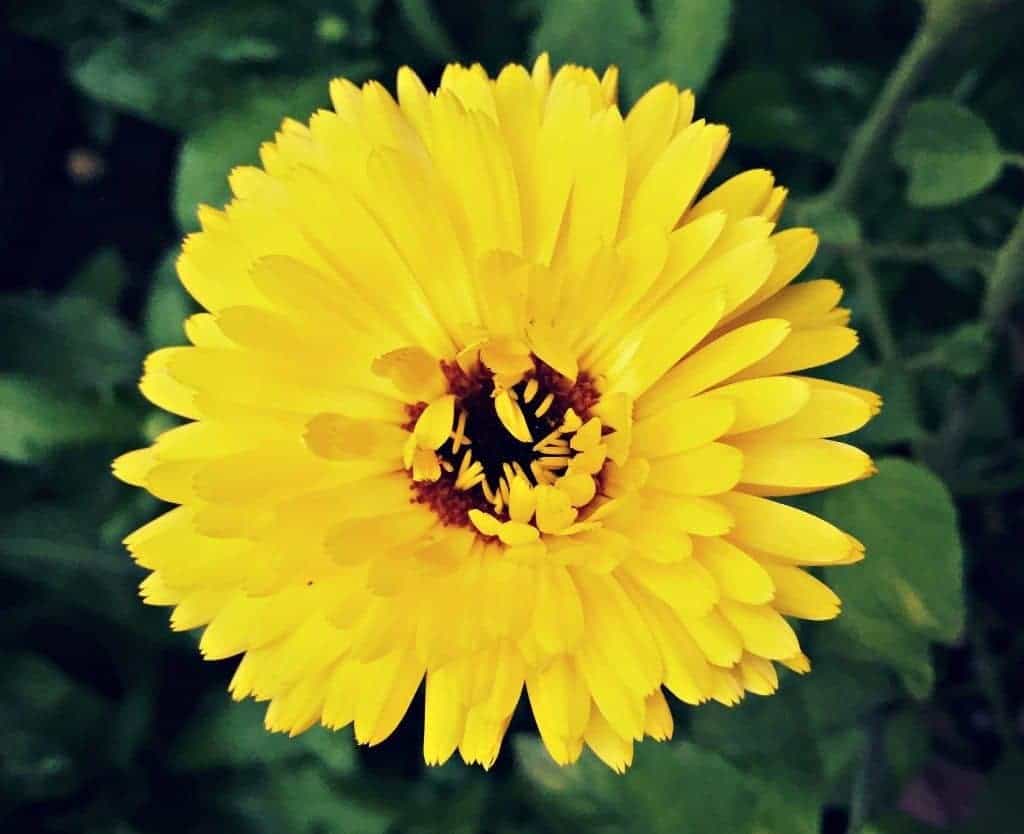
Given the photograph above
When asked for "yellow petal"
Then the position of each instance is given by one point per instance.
(682, 426)
(739, 576)
(434, 425)
(804, 349)
(337, 437)
(717, 638)
(715, 362)
(414, 372)
(554, 509)
(799, 465)
(763, 629)
(521, 501)
(673, 181)
(706, 470)
(548, 346)
(610, 747)
(828, 412)
(764, 402)
(785, 531)
(798, 594)
(740, 196)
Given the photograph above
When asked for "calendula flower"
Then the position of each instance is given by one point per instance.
(489, 396)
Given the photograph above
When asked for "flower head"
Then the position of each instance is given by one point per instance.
(492, 392)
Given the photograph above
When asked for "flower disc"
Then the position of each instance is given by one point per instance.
(493, 392)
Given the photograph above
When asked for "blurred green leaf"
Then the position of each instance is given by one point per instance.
(833, 224)
(102, 278)
(669, 788)
(763, 110)
(805, 737)
(949, 153)
(966, 351)
(70, 341)
(167, 306)
(37, 418)
(228, 734)
(898, 421)
(306, 801)
(909, 590)
(689, 37)
(906, 745)
(210, 153)
(429, 31)
(593, 33)
(681, 41)
(48, 722)
(187, 67)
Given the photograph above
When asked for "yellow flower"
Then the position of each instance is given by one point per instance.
(489, 396)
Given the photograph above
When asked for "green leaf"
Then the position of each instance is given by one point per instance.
(670, 787)
(48, 724)
(834, 225)
(307, 802)
(422, 19)
(593, 33)
(966, 351)
(210, 153)
(167, 306)
(909, 589)
(898, 420)
(71, 341)
(102, 278)
(228, 734)
(681, 41)
(762, 110)
(690, 38)
(805, 736)
(184, 64)
(949, 153)
(36, 419)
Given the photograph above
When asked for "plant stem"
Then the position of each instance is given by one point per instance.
(856, 163)
(988, 677)
(874, 307)
(1016, 159)
(867, 775)
(965, 254)
(1005, 282)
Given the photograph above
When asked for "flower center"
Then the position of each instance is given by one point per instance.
(537, 431)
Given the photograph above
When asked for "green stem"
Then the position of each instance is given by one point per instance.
(1016, 159)
(857, 163)
(866, 778)
(988, 677)
(874, 307)
(959, 254)
(1005, 282)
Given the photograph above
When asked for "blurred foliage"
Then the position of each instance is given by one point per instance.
(111, 723)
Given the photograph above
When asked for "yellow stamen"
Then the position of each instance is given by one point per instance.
(531, 390)
(545, 404)
(459, 435)
(555, 435)
(511, 417)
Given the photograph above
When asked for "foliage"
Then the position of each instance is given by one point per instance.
(910, 170)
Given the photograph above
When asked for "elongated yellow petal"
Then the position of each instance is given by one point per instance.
(791, 534)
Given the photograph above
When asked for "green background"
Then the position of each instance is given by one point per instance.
(898, 129)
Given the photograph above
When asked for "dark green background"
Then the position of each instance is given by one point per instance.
(121, 115)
